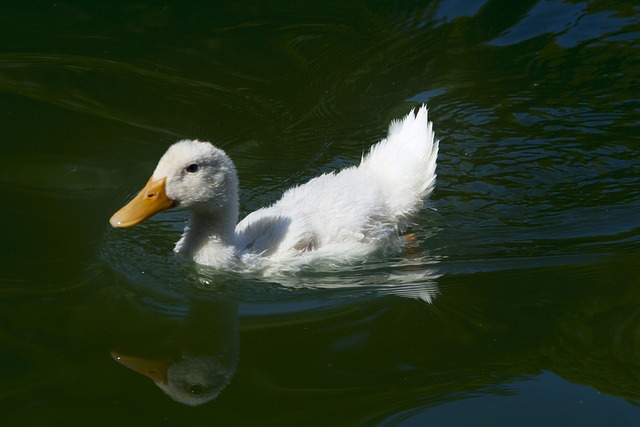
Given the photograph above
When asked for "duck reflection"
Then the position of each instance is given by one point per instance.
(199, 362)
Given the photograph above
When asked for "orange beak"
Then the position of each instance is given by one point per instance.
(156, 369)
(149, 201)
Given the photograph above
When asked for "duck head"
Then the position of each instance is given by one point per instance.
(193, 175)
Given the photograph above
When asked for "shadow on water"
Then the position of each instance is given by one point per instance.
(195, 358)
(483, 335)
(451, 337)
(198, 362)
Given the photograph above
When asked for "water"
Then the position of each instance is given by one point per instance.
(519, 304)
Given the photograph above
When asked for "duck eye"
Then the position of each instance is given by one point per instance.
(192, 168)
(196, 389)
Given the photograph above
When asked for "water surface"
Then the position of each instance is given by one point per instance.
(519, 305)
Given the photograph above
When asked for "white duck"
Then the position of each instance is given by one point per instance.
(336, 217)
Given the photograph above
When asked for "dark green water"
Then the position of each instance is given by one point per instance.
(530, 255)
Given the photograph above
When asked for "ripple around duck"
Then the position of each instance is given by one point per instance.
(78, 83)
(143, 257)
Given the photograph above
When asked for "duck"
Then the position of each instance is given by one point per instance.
(338, 217)
(194, 365)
